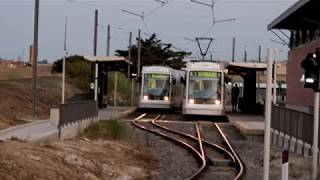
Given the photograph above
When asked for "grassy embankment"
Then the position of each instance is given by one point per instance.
(16, 101)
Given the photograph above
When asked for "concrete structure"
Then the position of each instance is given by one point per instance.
(248, 125)
(11, 64)
(46, 130)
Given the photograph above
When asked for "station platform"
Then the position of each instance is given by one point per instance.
(247, 124)
(43, 130)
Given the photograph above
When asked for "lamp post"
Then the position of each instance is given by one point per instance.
(64, 62)
(266, 159)
(35, 57)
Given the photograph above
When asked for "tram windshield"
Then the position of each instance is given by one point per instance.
(205, 87)
(156, 87)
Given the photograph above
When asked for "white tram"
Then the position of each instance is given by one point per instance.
(204, 90)
(158, 85)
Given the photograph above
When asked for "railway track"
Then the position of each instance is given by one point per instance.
(203, 150)
(191, 146)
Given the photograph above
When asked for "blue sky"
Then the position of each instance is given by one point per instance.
(172, 22)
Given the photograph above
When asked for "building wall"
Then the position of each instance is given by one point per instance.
(11, 64)
(297, 95)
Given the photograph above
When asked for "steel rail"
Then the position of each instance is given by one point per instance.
(219, 148)
(203, 161)
(238, 160)
(200, 140)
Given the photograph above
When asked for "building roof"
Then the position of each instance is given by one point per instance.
(302, 15)
(107, 59)
(257, 66)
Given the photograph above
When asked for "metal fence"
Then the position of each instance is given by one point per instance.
(74, 112)
(293, 123)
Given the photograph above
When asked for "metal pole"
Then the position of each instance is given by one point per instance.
(64, 61)
(259, 59)
(233, 49)
(95, 54)
(108, 41)
(35, 57)
(139, 53)
(267, 127)
(115, 89)
(315, 137)
(132, 89)
(116, 73)
(245, 56)
(129, 56)
(274, 83)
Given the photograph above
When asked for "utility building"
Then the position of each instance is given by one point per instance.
(294, 122)
(304, 25)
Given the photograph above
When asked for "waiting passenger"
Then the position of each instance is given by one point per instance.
(234, 96)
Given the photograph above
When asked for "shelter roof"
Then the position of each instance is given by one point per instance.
(301, 15)
(107, 59)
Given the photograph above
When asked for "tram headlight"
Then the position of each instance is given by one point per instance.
(217, 102)
(145, 97)
(166, 98)
(191, 101)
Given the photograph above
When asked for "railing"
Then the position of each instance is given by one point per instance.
(293, 123)
(73, 112)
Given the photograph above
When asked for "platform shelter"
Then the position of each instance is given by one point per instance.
(248, 71)
(106, 64)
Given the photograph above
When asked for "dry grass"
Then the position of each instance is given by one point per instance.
(16, 102)
(24, 72)
(108, 130)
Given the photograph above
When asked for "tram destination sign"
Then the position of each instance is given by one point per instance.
(204, 74)
(159, 76)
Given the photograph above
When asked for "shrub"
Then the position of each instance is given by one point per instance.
(107, 129)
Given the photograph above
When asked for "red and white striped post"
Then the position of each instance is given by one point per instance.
(285, 165)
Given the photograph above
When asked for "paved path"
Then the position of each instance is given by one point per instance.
(43, 128)
(31, 131)
(115, 112)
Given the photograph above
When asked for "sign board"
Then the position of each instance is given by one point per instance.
(91, 85)
(204, 74)
(158, 76)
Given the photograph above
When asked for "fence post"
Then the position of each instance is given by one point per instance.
(285, 165)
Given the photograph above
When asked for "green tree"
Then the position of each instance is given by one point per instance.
(153, 52)
(78, 71)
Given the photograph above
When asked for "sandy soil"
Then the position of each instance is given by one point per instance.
(78, 159)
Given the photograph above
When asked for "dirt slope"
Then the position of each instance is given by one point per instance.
(74, 160)
(16, 102)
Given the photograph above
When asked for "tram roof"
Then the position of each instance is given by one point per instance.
(204, 66)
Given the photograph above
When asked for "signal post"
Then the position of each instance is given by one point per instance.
(311, 66)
